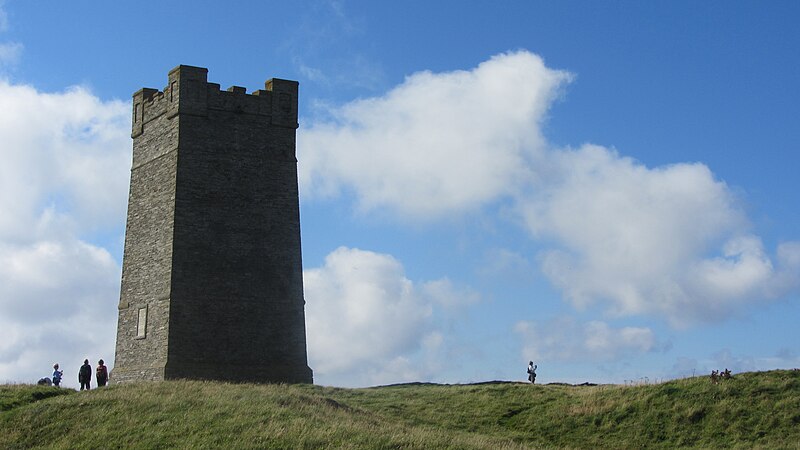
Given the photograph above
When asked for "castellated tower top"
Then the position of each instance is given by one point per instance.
(189, 92)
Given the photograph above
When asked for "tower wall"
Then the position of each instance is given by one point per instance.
(212, 245)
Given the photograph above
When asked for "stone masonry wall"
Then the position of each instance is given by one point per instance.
(146, 268)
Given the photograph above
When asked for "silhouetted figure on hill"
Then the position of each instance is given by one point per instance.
(532, 372)
(101, 374)
(85, 374)
(715, 376)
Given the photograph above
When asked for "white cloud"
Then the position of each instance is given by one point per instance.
(66, 161)
(436, 144)
(671, 241)
(565, 340)
(66, 166)
(54, 280)
(368, 323)
(643, 241)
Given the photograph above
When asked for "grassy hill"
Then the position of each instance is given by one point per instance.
(753, 410)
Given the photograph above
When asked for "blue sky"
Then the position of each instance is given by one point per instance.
(608, 189)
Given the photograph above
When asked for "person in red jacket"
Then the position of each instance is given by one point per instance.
(101, 374)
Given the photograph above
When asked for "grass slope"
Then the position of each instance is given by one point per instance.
(753, 410)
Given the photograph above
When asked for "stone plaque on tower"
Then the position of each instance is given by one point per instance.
(212, 281)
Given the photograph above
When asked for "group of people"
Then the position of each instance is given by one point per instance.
(716, 375)
(84, 374)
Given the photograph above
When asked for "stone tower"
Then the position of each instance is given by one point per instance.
(212, 282)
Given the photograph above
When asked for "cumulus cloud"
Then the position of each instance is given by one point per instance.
(368, 323)
(66, 161)
(566, 340)
(437, 143)
(672, 241)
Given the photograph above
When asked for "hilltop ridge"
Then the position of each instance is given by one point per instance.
(752, 410)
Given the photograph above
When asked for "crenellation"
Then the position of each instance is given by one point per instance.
(236, 100)
(147, 105)
(189, 92)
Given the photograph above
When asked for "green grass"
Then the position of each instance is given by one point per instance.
(753, 410)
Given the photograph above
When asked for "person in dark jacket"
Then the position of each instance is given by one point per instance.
(85, 374)
(101, 374)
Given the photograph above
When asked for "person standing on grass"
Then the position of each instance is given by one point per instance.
(532, 372)
(57, 375)
(85, 374)
(101, 374)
